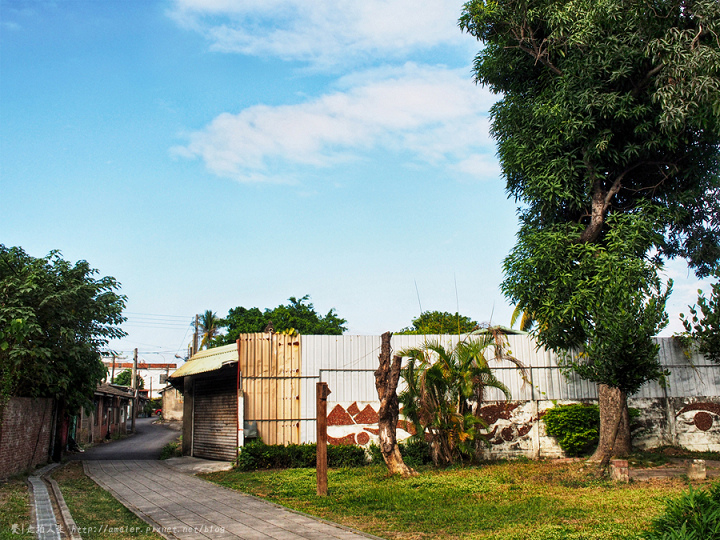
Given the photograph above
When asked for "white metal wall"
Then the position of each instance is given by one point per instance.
(347, 364)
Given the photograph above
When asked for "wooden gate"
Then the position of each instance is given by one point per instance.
(271, 373)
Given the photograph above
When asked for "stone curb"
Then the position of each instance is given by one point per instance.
(72, 528)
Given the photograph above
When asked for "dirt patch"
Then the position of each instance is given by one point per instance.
(72, 470)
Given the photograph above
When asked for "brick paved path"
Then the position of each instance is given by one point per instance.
(186, 507)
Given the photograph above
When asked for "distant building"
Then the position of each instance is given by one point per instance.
(153, 375)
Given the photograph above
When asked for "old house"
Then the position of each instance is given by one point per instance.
(110, 415)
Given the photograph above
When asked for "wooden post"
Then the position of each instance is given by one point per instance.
(321, 394)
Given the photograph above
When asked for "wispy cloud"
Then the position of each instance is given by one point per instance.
(437, 115)
(323, 32)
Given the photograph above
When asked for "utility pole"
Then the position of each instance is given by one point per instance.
(112, 378)
(195, 335)
(133, 385)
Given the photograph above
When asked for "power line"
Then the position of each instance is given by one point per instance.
(158, 315)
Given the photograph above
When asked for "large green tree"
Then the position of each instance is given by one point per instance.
(298, 315)
(608, 132)
(55, 318)
(440, 322)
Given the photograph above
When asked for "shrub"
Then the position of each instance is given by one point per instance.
(414, 453)
(172, 449)
(695, 515)
(576, 427)
(258, 455)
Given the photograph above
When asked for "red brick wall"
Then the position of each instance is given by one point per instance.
(25, 435)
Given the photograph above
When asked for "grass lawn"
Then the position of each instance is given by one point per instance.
(15, 509)
(543, 500)
(97, 513)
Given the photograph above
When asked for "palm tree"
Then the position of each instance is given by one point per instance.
(446, 387)
(526, 319)
(210, 326)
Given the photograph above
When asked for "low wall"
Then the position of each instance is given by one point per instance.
(516, 428)
(25, 435)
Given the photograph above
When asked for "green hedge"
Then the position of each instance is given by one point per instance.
(576, 427)
(258, 455)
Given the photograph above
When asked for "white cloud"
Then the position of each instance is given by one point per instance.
(324, 32)
(437, 115)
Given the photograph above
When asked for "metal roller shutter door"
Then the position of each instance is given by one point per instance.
(215, 422)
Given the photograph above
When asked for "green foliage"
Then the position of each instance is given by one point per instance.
(603, 301)
(258, 455)
(695, 515)
(608, 133)
(607, 110)
(124, 378)
(576, 427)
(703, 324)
(172, 449)
(437, 322)
(298, 316)
(55, 317)
(445, 387)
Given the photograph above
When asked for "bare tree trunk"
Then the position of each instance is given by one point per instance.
(386, 381)
(614, 425)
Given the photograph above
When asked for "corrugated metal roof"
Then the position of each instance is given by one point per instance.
(208, 360)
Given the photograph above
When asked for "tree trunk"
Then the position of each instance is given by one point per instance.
(386, 381)
(614, 425)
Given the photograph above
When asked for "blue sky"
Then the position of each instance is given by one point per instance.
(216, 153)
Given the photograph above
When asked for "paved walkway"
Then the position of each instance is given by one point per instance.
(186, 507)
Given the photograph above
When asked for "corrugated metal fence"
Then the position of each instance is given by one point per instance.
(347, 364)
(280, 373)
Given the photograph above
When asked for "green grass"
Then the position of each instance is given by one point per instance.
(506, 500)
(97, 513)
(14, 509)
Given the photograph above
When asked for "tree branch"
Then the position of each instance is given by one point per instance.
(646, 79)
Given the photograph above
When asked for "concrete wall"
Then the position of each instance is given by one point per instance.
(516, 428)
(25, 435)
(172, 404)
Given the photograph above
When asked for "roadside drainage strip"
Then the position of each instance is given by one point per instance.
(47, 524)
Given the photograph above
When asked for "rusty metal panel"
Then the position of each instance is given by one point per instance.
(271, 368)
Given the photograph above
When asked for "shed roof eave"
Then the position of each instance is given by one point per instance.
(207, 360)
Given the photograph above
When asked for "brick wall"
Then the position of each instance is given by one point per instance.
(25, 435)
